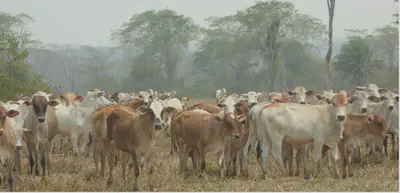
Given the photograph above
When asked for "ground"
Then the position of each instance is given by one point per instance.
(369, 176)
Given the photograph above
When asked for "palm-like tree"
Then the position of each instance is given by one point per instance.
(356, 60)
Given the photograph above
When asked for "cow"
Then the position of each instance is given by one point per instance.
(74, 120)
(99, 131)
(8, 143)
(175, 103)
(204, 133)
(263, 97)
(372, 90)
(219, 94)
(281, 122)
(385, 109)
(395, 129)
(133, 132)
(17, 123)
(41, 127)
(157, 106)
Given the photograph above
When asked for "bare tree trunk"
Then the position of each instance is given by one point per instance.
(331, 9)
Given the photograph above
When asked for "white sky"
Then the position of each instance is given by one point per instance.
(89, 22)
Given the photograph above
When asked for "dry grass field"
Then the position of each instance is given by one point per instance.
(369, 176)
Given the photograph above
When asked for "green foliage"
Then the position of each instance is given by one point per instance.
(355, 60)
(15, 75)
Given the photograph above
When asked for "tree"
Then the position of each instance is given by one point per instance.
(331, 11)
(159, 38)
(356, 59)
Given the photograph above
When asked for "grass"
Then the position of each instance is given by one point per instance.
(368, 176)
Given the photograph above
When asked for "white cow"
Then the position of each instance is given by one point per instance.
(219, 94)
(157, 106)
(301, 95)
(298, 124)
(175, 103)
(74, 121)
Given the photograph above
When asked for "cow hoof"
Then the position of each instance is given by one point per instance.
(351, 175)
(135, 188)
(109, 182)
(307, 177)
(297, 174)
(37, 173)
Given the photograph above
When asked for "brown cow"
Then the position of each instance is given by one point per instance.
(41, 128)
(99, 130)
(133, 132)
(207, 107)
(204, 133)
(7, 143)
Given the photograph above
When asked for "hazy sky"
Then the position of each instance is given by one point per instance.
(91, 21)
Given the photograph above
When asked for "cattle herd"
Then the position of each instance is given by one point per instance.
(124, 126)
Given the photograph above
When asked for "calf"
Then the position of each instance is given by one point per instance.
(41, 127)
(8, 143)
(133, 132)
(204, 133)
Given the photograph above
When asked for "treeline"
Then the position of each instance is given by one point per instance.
(269, 46)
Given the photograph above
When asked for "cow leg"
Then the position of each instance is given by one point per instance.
(287, 157)
(244, 154)
(18, 161)
(36, 157)
(299, 154)
(349, 154)
(317, 157)
(10, 172)
(357, 154)
(136, 170)
(277, 153)
(385, 143)
(220, 161)
(124, 162)
(111, 162)
(393, 146)
(306, 158)
(31, 160)
(233, 165)
(202, 154)
(150, 169)
(48, 158)
(104, 153)
(335, 158)
(265, 148)
(183, 158)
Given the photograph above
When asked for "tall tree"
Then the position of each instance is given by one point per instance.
(331, 11)
(159, 38)
(356, 60)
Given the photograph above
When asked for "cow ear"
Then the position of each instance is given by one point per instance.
(361, 88)
(62, 97)
(53, 103)
(12, 113)
(220, 105)
(79, 98)
(310, 92)
(242, 119)
(170, 110)
(328, 101)
(219, 117)
(319, 97)
(370, 119)
(382, 90)
(397, 98)
(27, 103)
(351, 100)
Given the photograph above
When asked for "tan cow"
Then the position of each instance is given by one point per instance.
(41, 128)
(207, 107)
(99, 131)
(7, 143)
(133, 132)
(204, 133)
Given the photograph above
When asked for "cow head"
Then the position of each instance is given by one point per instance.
(251, 98)
(166, 115)
(228, 106)
(376, 125)
(147, 115)
(372, 90)
(157, 107)
(3, 118)
(360, 100)
(339, 103)
(388, 98)
(95, 98)
(145, 97)
(230, 125)
(68, 97)
(299, 94)
(40, 101)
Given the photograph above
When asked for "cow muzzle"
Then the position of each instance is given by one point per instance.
(341, 117)
(236, 136)
(363, 110)
(18, 147)
(41, 119)
(303, 102)
(391, 107)
(1, 132)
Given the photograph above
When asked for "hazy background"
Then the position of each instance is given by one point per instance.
(89, 22)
